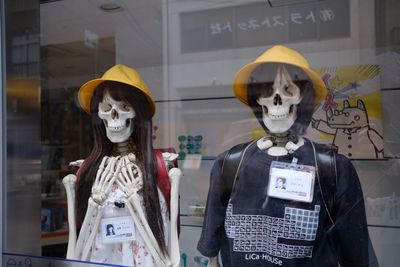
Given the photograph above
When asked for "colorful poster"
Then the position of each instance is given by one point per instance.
(350, 117)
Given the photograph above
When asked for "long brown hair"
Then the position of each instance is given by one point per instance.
(102, 146)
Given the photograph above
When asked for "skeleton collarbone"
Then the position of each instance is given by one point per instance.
(278, 149)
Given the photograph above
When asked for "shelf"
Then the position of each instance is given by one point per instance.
(54, 238)
(54, 202)
(192, 221)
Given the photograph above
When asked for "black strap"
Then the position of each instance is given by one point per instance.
(231, 164)
(325, 164)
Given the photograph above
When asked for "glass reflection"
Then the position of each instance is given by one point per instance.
(188, 53)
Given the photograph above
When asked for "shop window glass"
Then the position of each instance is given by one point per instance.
(188, 53)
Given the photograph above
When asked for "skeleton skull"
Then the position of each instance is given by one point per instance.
(117, 117)
(279, 108)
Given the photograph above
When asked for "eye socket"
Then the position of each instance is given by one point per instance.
(290, 89)
(266, 90)
(105, 106)
(125, 107)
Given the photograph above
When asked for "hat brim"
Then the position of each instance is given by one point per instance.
(241, 80)
(86, 92)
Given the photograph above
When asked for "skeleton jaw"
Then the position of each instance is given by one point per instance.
(278, 126)
(278, 113)
(118, 133)
(117, 125)
(279, 119)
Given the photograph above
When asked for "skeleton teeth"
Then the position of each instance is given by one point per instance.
(283, 116)
(116, 129)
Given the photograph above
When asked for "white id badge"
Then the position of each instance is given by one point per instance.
(117, 229)
(291, 181)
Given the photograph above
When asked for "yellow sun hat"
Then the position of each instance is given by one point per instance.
(118, 73)
(278, 54)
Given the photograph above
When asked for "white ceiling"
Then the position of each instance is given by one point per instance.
(132, 35)
(65, 21)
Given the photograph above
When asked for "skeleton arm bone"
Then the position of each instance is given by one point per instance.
(69, 182)
(130, 180)
(92, 235)
(175, 175)
(75, 247)
(92, 208)
(105, 177)
(158, 260)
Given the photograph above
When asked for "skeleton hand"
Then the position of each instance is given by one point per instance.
(130, 178)
(105, 179)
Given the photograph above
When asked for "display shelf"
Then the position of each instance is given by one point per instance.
(54, 201)
(191, 221)
(54, 238)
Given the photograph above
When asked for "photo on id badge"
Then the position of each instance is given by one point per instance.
(117, 229)
(291, 181)
(280, 183)
(110, 229)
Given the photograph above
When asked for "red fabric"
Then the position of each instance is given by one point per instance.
(163, 180)
(78, 174)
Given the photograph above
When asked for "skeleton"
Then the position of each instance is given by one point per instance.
(278, 115)
(124, 171)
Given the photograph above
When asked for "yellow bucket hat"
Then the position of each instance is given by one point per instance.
(118, 73)
(278, 54)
